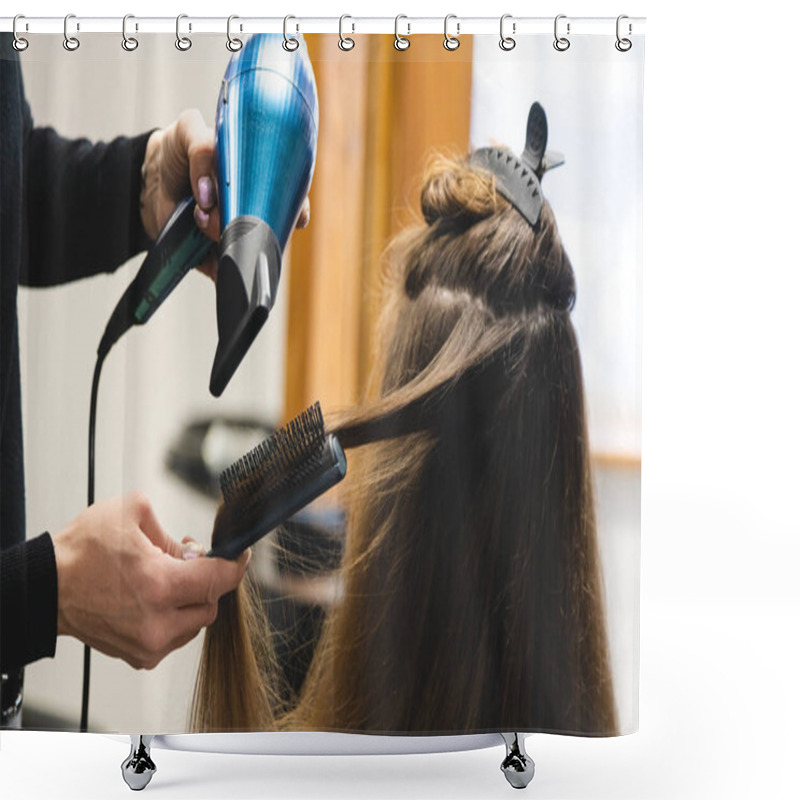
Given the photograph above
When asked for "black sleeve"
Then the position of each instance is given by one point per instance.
(81, 205)
(28, 602)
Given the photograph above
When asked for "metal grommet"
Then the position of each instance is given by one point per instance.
(183, 43)
(451, 42)
(506, 42)
(71, 43)
(19, 43)
(623, 45)
(290, 43)
(129, 43)
(233, 44)
(345, 42)
(561, 43)
(400, 42)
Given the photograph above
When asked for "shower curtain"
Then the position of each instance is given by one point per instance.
(473, 603)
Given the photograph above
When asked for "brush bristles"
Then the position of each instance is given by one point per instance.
(283, 457)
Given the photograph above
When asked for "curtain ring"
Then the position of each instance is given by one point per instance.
(233, 44)
(400, 42)
(506, 42)
(20, 44)
(290, 43)
(451, 42)
(623, 45)
(183, 43)
(70, 42)
(129, 43)
(561, 43)
(345, 42)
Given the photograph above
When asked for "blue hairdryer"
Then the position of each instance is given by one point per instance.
(266, 145)
(267, 119)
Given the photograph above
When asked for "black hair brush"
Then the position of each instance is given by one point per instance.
(266, 486)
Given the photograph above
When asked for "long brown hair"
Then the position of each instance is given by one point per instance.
(472, 597)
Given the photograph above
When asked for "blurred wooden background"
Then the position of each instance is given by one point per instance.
(383, 113)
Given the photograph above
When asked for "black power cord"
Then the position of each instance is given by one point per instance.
(163, 268)
(87, 651)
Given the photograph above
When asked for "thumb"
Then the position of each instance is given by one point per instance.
(151, 528)
(204, 580)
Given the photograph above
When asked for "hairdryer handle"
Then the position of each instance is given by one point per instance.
(180, 246)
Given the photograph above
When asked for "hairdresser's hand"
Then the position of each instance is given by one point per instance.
(180, 159)
(124, 589)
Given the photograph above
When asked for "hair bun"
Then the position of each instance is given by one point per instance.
(457, 194)
(478, 244)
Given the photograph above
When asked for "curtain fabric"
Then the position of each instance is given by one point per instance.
(463, 570)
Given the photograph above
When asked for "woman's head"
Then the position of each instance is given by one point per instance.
(477, 242)
(472, 596)
(474, 535)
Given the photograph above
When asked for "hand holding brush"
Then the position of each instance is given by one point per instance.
(124, 587)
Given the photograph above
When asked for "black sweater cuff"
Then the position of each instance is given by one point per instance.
(28, 602)
(139, 239)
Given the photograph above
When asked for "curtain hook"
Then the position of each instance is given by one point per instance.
(183, 43)
(345, 42)
(129, 43)
(561, 43)
(400, 42)
(70, 42)
(451, 42)
(233, 44)
(290, 43)
(506, 42)
(623, 45)
(20, 44)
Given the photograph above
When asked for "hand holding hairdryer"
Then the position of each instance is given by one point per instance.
(180, 163)
(266, 142)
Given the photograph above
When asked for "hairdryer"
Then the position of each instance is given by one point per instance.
(266, 145)
(267, 119)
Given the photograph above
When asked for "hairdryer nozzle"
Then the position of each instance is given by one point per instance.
(247, 279)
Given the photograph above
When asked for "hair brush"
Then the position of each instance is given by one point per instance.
(273, 481)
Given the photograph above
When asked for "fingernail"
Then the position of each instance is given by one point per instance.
(201, 218)
(192, 550)
(205, 192)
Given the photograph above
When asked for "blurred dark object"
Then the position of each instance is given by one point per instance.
(306, 547)
(206, 447)
(305, 553)
(306, 557)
